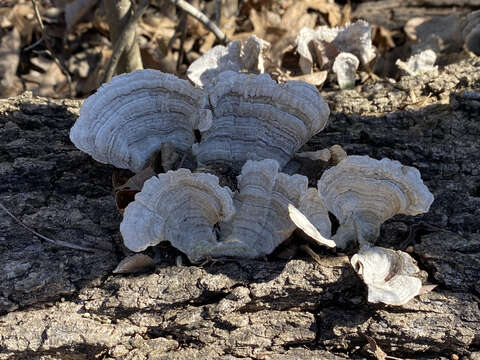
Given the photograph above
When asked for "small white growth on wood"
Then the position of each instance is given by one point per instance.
(387, 274)
(419, 63)
(345, 66)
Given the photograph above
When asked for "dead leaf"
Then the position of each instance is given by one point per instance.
(48, 80)
(425, 289)
(10, 84)
(76, 10)
(316, 78)
(325, 54)
(134, 264)
(374, 348)
(382, 38)
(124, 197)
(332, 10)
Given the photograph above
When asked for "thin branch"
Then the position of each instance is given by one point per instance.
(183, 26)
(196, 14)
(123, 39)
(218, 12)
(50, 48)
(56, 242)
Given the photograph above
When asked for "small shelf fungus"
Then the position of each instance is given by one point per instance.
(388, 275)
(255, 118)
(129, 118)
(363, 193)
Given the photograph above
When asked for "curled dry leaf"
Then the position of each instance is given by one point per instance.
(136, 263)
(363, 193)
(387, 274)
(10, 84)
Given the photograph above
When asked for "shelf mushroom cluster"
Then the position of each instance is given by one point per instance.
(250, 127)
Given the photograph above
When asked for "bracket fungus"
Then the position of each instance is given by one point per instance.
(252, 127)
(255, 118)
(236, 57)
(363, 193)
(202, 219)
(129, 118)
(387, 274)
(179, 207)
(355, 38)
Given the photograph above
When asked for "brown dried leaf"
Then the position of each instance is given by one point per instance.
(21, 16)
(382, 38)
(332, 10)
(316, 78)
(374, 348)
(50, 82)
(10, 84)
(134, 264)
(325, 54)
(124, 197)
(76, 10)
(425, 289)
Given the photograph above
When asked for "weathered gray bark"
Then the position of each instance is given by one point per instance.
(64, 304)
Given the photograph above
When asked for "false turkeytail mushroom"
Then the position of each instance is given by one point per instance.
(363, 193)
(255, 118)
(129, 118)
(387, 274)
(202, 219)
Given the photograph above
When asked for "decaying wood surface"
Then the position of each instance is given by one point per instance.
(59, 303)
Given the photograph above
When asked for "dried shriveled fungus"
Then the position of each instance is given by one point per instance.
(387, 274)
(354, 38)
(238, 57)
(363, 193)
(345, 66)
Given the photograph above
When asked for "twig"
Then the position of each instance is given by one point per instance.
(50, 48)
(218, 12)
(196, 14)
(56, 242)
(123, 39)
(183, 26)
